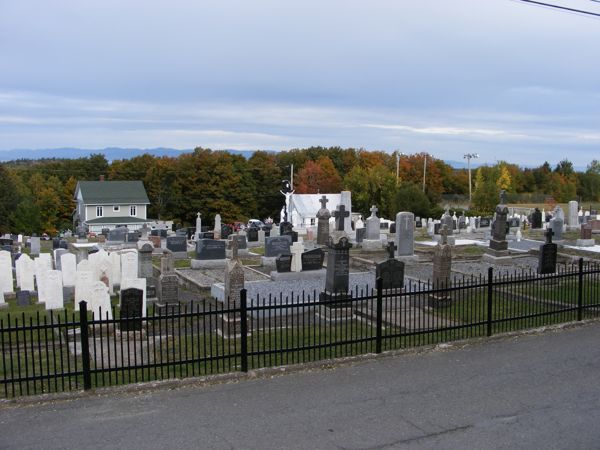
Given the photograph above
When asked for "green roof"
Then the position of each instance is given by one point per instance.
(116, 220)
(112, 192)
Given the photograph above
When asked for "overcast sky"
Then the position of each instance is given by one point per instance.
(501, 78)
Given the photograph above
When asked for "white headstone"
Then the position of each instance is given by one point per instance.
(83, 283)
(99, 301)
(68, 264)
(137, 283)
(20, 238)
(573, 214)
(41, 267)
(6, 273)
(296, 250)
(198, 226)
(129, 266)
(346, 200)
(359, 223)
(50, 290)
(25, 272)
(115, 260)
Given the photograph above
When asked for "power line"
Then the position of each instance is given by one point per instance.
(550, 5)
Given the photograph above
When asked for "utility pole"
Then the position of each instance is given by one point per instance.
(468, 157)
(398, 155)
(424, 170)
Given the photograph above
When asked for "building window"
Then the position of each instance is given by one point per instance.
(116, 208)
(132, 210)
(99, 212)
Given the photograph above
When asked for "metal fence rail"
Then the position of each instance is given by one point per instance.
(56, 352)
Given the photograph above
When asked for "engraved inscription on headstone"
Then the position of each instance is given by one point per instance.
(131, 309)
(278, 245)
(313, 259)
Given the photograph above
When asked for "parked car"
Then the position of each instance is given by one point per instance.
(45, 237)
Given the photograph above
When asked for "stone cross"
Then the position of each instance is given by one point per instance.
(391, 249)
(323, 202)
(549, 233)
(234, 247)
(198, 214)
(374, 211)
(340, 213)
(444, 234)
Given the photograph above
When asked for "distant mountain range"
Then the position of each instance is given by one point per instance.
(115, 153)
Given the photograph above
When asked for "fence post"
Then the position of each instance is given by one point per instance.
(379, 325)
(85, 345)
(244, 329)
(489, 300)
(580, 291)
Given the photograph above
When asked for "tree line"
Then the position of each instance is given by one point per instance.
(37, 195)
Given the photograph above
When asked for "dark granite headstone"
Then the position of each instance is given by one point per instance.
(252, 234)
(392, 273)
(285, 227)
(536, 219)
(418, 223)
(132, 301)
(283, 263)
(485, 222)
(177, 243)
(63, 244)
(436, 228)
(277, 245)
(55, 243)
(6, 241)
(360, 234)
(393, 227)
(241, 241)
(23, 298)
(181, 232)
(133, 237)
(313, 259)
(118, 234)
(547, 257)
(207, 235)
(338, 267)
(168, 288)
(208, 249)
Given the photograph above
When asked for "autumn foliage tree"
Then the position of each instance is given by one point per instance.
(318, 176)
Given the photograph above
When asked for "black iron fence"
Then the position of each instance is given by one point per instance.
(57, 352)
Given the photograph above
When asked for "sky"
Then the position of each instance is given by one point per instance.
(504, 79)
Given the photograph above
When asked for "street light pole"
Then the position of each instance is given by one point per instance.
(468, 157)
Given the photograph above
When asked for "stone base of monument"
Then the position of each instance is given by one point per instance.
(337, 307)
(179, 255)
(229, 326)
(268, 261)
(406, 258)
(208, 263)
(500, 258)
(241, 252)
(450, 239)
(304, 275)
(439, 301)
(586, 242)
(371, 245)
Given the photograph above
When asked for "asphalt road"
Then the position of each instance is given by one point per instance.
(530, 391)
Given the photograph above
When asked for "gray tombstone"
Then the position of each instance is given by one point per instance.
(177, 245)
(405, 223)
(557, 224)
(23, 298)
(442, 270)
(373, 225)
(338, 267)
(323, 216)
(536, 219)
(278, 245)
(118, 234)
(210, 249)
(283, 263)
(391, 272)
(313, 259)
(35, 246)
(145, 269)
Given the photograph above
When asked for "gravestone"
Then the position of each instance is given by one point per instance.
(548, 254)
(391, 271)
(286, 229)
(206, 235)
(84, 277)
(167, 289)
(557, 224)
(323, 216)
(6, 273)
(129, 265)
(283, 263)
(145, 269)
(57, 257)
(279, 245)
(573, 221)
(178, 246)
(262, 234)
(373, 225)
(133, 237)
(498, 247)
(117, 235)
(442, 270)
(485, 222)
(25, 269)
(142, 285)
(346, 200)
(198, 226)
(217, 229)
(448, 221)
(338, 264)
(55, 243)
(313, 259)
(228, 324)
(68, 262)
(35, 246)
(252, 234)
(23, 298)
(132, 301)
(210, 249)
(63, 244)
(50, 290)
(296, 250)
(99, 302)
(585, 237)
(536, 219)
(405, 222)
